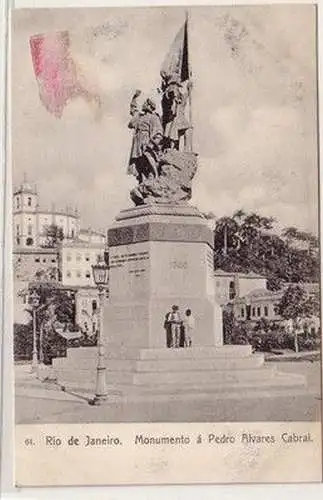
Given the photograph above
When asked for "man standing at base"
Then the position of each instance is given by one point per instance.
(174, 322)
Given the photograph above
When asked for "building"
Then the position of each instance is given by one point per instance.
(69, 262)
(229, 286)
(256, 304)
(20, 307)
(76, 260)
(32, 263)
(262, 304)
(30, 221)
(92, 236)
(86, 309)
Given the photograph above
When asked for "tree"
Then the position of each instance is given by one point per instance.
(248, 242)
(54, 235)
(295, 306)
(56, 307)
(225, 229)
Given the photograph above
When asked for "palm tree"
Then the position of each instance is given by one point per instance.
(225, 227)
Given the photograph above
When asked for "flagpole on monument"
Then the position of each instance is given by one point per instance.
(189, 141)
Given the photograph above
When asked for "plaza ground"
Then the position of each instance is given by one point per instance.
(37, 402)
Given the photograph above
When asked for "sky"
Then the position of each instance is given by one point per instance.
(253, 105)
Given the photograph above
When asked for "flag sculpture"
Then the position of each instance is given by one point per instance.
(161, 155)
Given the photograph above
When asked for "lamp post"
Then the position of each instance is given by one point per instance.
(100, 276)
(34, 302)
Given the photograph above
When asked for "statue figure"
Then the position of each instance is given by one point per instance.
(173, 185)
(147, 129)
(174, 101)
(161, 154)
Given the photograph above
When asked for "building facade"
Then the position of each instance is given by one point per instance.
(229, 286)
(76, 260)
(33, 263)
(87, 309)
(256, 304)
(30, 221)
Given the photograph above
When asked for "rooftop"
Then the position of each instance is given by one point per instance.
(92, 231)
(262, 292)
(77, 243)
(33, 250)
(251, 274)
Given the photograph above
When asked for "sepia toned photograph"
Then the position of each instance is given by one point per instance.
(165, 220)
(165, 214)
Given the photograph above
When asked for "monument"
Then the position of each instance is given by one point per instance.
(161, 266)
(161, 251)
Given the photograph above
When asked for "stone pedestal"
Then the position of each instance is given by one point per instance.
(160, 255)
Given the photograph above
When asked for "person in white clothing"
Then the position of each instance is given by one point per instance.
(189, 325)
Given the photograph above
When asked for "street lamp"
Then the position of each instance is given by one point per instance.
(101, 277)
(34, 302)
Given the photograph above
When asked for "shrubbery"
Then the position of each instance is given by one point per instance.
(265, 336)
(23, 342)
(53, 345)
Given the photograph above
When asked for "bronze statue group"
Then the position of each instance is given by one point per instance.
(161, 145)
(179, 329)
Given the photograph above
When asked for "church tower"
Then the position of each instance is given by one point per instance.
(25, 220)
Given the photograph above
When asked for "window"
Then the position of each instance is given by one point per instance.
(29, 230)
(53, 261)
(87, 257)
(88, 274)
(72, 233)
(217, 284)
(94, 305)
(232, 290)
(68, 274)
(78, 274)
(18, 241)
(242, 312)
(266, 310)
(44, 261)
(17, 229)
(78, 257)
(68, 257)
(29, 242)
(37, 259)
(29, 201)
(18, 202)
(253, 311)
(258, 311)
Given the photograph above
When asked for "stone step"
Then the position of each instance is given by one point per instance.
(162, 365)
(226, 351)
(281, 384)
(181, 377)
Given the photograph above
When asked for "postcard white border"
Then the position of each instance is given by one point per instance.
(287, 492)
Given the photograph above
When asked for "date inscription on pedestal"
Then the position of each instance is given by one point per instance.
(121, 259)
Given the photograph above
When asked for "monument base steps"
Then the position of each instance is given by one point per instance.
(222, 372)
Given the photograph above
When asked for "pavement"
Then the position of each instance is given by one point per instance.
(44, 402)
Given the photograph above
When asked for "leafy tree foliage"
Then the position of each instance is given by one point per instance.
(249, 242)
(295, 305)
(55, 307)
(54, 235)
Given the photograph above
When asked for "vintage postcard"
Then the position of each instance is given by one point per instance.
(165, 245)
